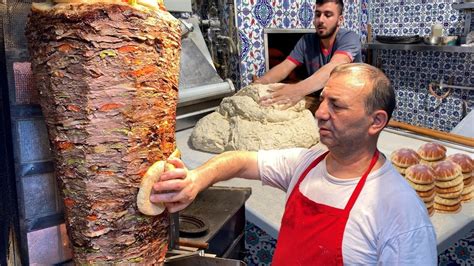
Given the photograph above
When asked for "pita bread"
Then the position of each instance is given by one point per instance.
(447, 202)
(418, 187)
(451, 183)
(447, 209)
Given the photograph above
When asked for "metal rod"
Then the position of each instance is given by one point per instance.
(206, 91)
(442, 85)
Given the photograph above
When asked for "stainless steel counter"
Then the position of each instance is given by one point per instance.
(265, 206)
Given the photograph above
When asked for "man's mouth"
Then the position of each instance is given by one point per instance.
(323, 130)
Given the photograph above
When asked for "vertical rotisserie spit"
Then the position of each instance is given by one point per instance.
(107, 73)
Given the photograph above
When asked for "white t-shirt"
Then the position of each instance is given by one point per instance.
(388, 224)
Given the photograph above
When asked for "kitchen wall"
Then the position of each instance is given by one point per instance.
(410, 71)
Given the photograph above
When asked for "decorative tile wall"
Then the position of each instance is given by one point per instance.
(255, 15)
(259, 246)
(411, 72)
(406, 17)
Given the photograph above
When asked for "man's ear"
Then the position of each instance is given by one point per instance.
(340, 20)
(379, 120)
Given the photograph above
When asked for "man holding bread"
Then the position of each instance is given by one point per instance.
(345, 205)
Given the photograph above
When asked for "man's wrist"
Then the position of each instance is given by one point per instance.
(262, 80)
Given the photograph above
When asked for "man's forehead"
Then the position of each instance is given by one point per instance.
(340, 85)
(328, 6)
(353, 78)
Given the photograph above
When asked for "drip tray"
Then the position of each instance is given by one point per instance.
(192, 226)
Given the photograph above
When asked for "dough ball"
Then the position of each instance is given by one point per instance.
(241, 123)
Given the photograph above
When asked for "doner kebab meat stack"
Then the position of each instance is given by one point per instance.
(107, 72)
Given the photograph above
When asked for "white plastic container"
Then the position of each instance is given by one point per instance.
(437, 30)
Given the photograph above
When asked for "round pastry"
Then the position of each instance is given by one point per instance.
(447, 202)
(428, 163)
(447, 209)
(468, 190)
(399, 169)
(450, 183)
(446, 170)
(456, 188)
(429, 204)
(428, 198)
(419, 187)
(432, 151)
(420, 174)
(467, 175)
(404, 157)
(468, 181)
(468, 197)
(452, 195)
(431, 211)
(426, 193)
(463, 160)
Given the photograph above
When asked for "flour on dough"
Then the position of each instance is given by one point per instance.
(241, 123)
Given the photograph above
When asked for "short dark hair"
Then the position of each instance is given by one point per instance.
(340, 3)
(381, 96)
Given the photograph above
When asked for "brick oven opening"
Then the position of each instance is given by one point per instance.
(278, 45)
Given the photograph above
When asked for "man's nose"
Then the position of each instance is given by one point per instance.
(322, 111)
(322, 19)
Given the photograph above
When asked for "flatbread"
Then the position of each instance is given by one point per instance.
(428, 193)
(468, 197)
(418, 187)
(450, 183)
(447, 202)
(447, 209)
(428, 198)
(151, 176)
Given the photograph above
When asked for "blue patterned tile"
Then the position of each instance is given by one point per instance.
(305, 14)
(259, 246)
(263, 12)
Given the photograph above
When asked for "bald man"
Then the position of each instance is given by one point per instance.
(345, 205)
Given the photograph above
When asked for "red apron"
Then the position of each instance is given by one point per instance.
(311, 233)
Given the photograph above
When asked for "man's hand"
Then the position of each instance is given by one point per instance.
(259, 80)
(284, 96)
(176, 188)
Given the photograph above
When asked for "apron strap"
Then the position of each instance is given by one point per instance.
(305, 172)
(361, 183)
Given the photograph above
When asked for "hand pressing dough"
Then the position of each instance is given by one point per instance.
(241, 123)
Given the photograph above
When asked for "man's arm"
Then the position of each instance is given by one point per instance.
(277, 73)
(291, 94)
(178, 188)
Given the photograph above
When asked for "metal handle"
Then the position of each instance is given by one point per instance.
(174, 231)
